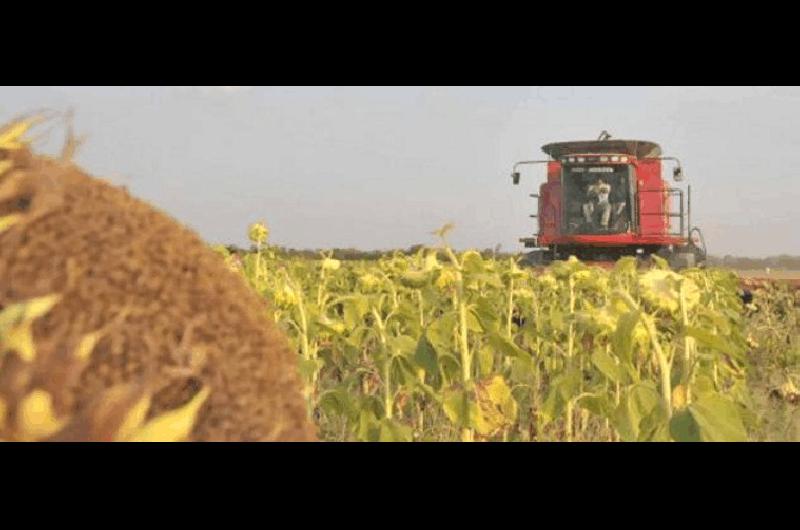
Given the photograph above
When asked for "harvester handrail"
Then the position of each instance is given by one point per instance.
(663, 158)
(530, 162)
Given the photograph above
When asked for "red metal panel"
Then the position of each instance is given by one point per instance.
(615, 240)
(554, 171)
(550, 204)
(653, 199)
(549, 212)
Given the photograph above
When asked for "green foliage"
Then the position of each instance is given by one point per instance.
(438, 345)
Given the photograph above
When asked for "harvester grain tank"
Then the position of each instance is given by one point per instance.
(606, 198)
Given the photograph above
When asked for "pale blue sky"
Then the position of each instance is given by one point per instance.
(381, 167)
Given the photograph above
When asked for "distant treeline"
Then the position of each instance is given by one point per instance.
(782, 262)
(356, 254)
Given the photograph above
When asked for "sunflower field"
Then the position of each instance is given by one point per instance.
(447, 346)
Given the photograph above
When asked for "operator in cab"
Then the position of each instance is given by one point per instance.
(598, 194)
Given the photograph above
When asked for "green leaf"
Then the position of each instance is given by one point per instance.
(332, 325)
(455, 405)
(351, 353)
(703, 384)
(485, 360)
(472, 263)
(402, 372)
(626, 266)
(450, 366)
(622, 339)
(643, 398)
(654, 426)
(605, 363)
(473, 324)
(500, 395)
(487, 315)
(393, 431)
(416, 279)
(354, 308)
(522, 370)
(636, 405)
(563, 388)
(683, 428)
(308, 367)
(660, 262)
(598, 405)
(368, 426)
(713, 341)
(552, 407)
(621, 420)
(402, 345)
(557, 319)
(569, 384)
(661, 289)
(722, 322)
(440, 332)
(506, 347)
(489, 280)
(312, 316)
(718, 419)
(425, 355)
(337, 402)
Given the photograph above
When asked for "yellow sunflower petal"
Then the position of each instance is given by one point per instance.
(172, 426)
(36, 418)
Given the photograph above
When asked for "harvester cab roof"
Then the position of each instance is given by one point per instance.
(617, 151)
(603, 150)
(635, 148)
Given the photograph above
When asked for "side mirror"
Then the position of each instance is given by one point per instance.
(677, 174)
(515, 177)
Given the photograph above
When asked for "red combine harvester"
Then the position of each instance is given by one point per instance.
(606, 198)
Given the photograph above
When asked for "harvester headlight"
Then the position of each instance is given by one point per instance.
(572, 159)
(615, 159)
(581, 159)
(623, 159)
(603, 159)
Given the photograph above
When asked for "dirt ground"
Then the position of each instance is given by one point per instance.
(772, 274)
(753, 278)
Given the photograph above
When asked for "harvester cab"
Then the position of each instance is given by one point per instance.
(606, 198)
